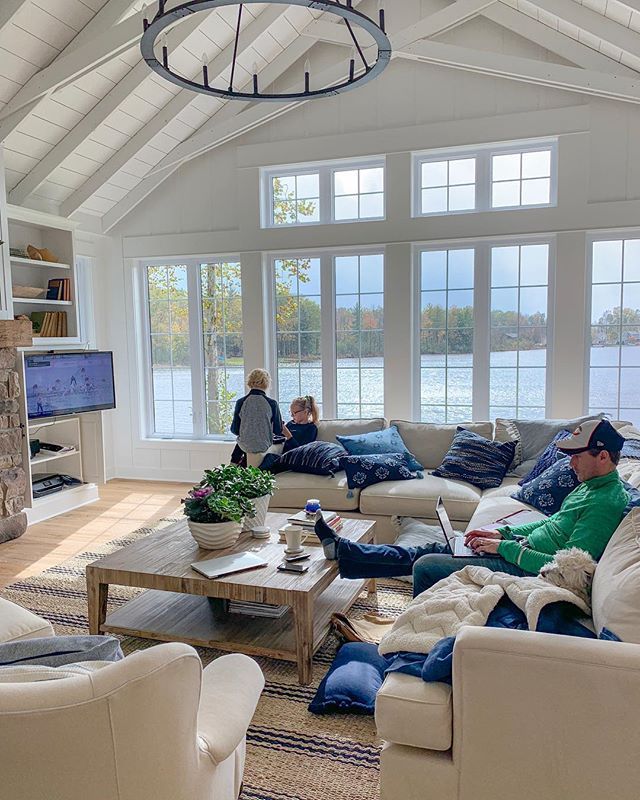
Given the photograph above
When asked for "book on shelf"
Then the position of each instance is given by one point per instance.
(59, 289)
(257, 609)
(49, 324)
(308, 520)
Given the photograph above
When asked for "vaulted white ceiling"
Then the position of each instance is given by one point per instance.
(87, 127)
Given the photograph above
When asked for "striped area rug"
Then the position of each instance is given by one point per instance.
(291, 754)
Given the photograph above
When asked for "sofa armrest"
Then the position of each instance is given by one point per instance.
(231, 688)
(556, 714)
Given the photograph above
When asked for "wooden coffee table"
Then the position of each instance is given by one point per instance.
(177, 607)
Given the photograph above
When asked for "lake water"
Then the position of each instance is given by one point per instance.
(172, 389)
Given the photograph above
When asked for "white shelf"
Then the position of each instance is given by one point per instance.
(41, 302)
(67, 499)
(33, 262)
(40, 458)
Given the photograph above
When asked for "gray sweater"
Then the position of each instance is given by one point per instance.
(255, 419)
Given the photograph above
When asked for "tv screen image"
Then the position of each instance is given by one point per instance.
(58, 384)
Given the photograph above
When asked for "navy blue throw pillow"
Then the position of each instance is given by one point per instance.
(476, 460)
(352, 682)
(364, 471)
(547, 491)
(549, 456)
(634, 498)
(315, 458)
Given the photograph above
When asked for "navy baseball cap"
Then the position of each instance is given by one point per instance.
(594, 434)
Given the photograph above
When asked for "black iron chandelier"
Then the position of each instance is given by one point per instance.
(359, 71)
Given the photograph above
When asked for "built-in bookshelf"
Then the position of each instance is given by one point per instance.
(43, 290)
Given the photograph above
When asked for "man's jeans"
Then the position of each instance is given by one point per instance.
(432, 562)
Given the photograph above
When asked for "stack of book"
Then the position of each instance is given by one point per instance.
(306, 523)
(59, 289)
(49, 323)
(257, 609)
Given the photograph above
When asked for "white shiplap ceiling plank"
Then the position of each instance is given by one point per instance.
(71, 13)
(16, 68)
(8, 10)
(24, 44)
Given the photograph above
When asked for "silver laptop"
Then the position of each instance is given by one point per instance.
(227, 565)
(455, 542)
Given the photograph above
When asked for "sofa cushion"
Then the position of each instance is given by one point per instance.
(418, 498)
(615, 594)
(547, 491)
(479, 461)
(293, 489)
(17, 623)
(314, 458)
(367, 470)
(534, 434)
(411, 712)
(328, 429)
(376, 442)
(430, 442)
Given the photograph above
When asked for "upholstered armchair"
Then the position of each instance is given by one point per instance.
(155, 726)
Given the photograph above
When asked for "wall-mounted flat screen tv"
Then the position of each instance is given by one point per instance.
(58, 384)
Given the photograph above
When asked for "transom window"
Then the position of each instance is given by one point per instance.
(336, 191)
(614, 361)
(485, 178)
(193, 322)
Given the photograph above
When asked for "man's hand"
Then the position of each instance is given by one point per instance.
(482, 533)
(286, 432)
(484, 544)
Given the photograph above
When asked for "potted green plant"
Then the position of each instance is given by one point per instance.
(216, 507)
(258, 486)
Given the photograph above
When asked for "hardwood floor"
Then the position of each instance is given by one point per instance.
(123, 506)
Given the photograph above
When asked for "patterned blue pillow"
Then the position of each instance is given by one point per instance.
(315, 458)
(631, 448)
(387, 440)
(476, 460)
(634, 498)
(547, 491)
(549, 456)
(366, 470)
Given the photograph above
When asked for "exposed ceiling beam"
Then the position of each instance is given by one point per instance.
(8, 9)
(592, 22)
(554, 41)
(175, 106)
(65, 69)
(119, 94)
(527, 70)
(440, 21)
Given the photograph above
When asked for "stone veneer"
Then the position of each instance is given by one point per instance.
(13, 479)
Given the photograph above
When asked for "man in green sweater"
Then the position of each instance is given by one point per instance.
(587, 519)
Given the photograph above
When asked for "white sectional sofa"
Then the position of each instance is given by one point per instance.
(530, 716)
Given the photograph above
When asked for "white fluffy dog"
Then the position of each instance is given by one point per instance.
(571, 569)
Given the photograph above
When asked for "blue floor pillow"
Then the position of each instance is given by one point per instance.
(353, 680)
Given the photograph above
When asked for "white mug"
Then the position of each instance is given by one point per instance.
(294, 538)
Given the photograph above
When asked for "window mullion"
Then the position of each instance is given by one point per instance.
(328, 336)
(326, 195)
(196, 346)
(482, 331)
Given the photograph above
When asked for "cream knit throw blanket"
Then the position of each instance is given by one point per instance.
(467, 598)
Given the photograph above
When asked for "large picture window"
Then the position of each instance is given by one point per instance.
(614, 360)
(194, 328)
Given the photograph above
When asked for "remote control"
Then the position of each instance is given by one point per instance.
(53, 447)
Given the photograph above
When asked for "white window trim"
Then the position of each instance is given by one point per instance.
(482, 323)
(482, 154)
(604, 236)
(147, 412)
(325, 170)
(328, 311)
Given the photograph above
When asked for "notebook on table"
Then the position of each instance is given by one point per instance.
(227, 565)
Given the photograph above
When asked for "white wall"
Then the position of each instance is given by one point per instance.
(211, 207)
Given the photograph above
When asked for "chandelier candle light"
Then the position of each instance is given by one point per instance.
(359, 71)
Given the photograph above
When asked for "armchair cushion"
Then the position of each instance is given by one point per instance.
(17, 623)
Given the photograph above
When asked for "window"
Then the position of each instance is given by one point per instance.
(358, 194)
(483, 327)
(298, 324)
(336, 191)
(329, 331)
(359, 300)
(446, 335)
(448, 185)
(194, 328)
(614, 361)
(485, 178)
(521, 179)
(518, 362)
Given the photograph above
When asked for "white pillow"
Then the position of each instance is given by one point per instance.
(615, 599)
(417, 533)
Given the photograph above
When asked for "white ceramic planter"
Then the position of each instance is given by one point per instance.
(215, 535)
(260, 504)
